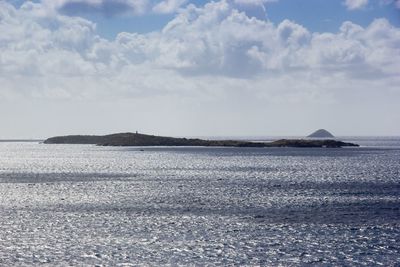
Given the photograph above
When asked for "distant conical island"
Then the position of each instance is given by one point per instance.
(321, 133)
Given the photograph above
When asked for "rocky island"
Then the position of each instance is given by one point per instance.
(136, 139)
(321, 133)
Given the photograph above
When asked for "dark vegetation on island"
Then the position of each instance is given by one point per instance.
(136, 139)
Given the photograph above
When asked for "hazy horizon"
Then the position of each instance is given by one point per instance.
(199, 68)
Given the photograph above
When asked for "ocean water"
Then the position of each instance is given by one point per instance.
(87, 205)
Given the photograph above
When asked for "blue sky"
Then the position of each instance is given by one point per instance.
(179, 68)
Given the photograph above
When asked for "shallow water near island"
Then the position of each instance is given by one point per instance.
(90, 205)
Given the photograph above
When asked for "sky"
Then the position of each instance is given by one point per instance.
(199, 68)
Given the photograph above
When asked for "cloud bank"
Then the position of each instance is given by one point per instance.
(212, 41)
(61, 56)
(207, 65)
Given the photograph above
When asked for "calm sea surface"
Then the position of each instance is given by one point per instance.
(88, 205)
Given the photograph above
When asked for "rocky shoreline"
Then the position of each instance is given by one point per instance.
(136, 139)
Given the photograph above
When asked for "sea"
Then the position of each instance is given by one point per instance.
(87, 205)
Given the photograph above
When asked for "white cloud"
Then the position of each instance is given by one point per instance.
(254, 2)
(168, 6)
(61, 56)
(355, 4)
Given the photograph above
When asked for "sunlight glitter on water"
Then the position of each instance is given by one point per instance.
(87, 205)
